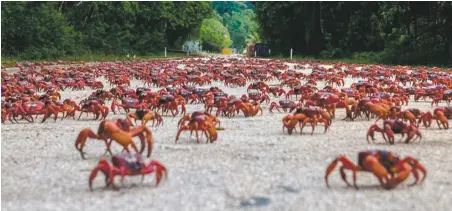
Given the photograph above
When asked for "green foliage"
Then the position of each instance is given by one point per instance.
(397, 32)
(214, 34)
(332, 53)
(239, 19)
(36, 31)
(228, 7)
(45, 30)
(371, 56)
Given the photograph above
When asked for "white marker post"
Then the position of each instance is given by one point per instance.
(269, 51)
(255, 53)
(165, 51)
(291, 52)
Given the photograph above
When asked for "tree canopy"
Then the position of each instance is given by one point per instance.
(239, 19)
(214, 34)
(388, 32)
(397, 32)
(51, 29)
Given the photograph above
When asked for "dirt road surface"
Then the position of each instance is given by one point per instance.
(252, 166)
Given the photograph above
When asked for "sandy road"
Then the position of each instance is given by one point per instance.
(252, 166)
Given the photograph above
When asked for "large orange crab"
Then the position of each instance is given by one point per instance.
(120, 131)
(93, 106)
(145, 115)
(40, 108)
(199, 121)
(391, 127)
(409, 115)
(251, 109)
(315, 113)
(171, 103)
(261, 86)
(440, 117)
(290, 121)
(256, 96)
(326, 100)
(390, 169)
(440, 114)
(126, 164)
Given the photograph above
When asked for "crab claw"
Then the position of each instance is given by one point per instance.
(213, 133)
(101, 166)
(160, 170)
(81, 139)
(403, 171)
(346, 164)
(416, 166)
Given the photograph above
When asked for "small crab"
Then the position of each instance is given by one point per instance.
(391, 127)
(130, 164)
(285, 105)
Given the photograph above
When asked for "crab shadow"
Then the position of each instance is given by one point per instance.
(86, 120)
(191, 142)
(374, 187)
(423, 142)
(128, 185)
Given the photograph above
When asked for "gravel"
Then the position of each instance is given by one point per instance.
(252, 166)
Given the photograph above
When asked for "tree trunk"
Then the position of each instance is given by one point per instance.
(449, 40)
(61, 6)
(314, 41)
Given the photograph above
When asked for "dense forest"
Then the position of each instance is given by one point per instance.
(240, 20)
(48, 30)
(34, 30)
(386, 32)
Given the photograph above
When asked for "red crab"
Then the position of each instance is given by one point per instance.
(390, 169)
(127, 104)
(130, 164)
(256, 96)
(285, 104)
(261, 86)
(277, 91)
(395, 126)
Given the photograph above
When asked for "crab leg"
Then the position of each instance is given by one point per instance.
(138, 131)
(160, 170)
(105, 168)
(403, 170)
(313, 123)
(413, 133)
(182, 128)
(196, 132)
(346, 164)
(414, 166)
(83, 136)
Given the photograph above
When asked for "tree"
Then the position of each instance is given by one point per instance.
(37, 30)
(239, 19)
(214, 34)
(395, 32)
(53, 29)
